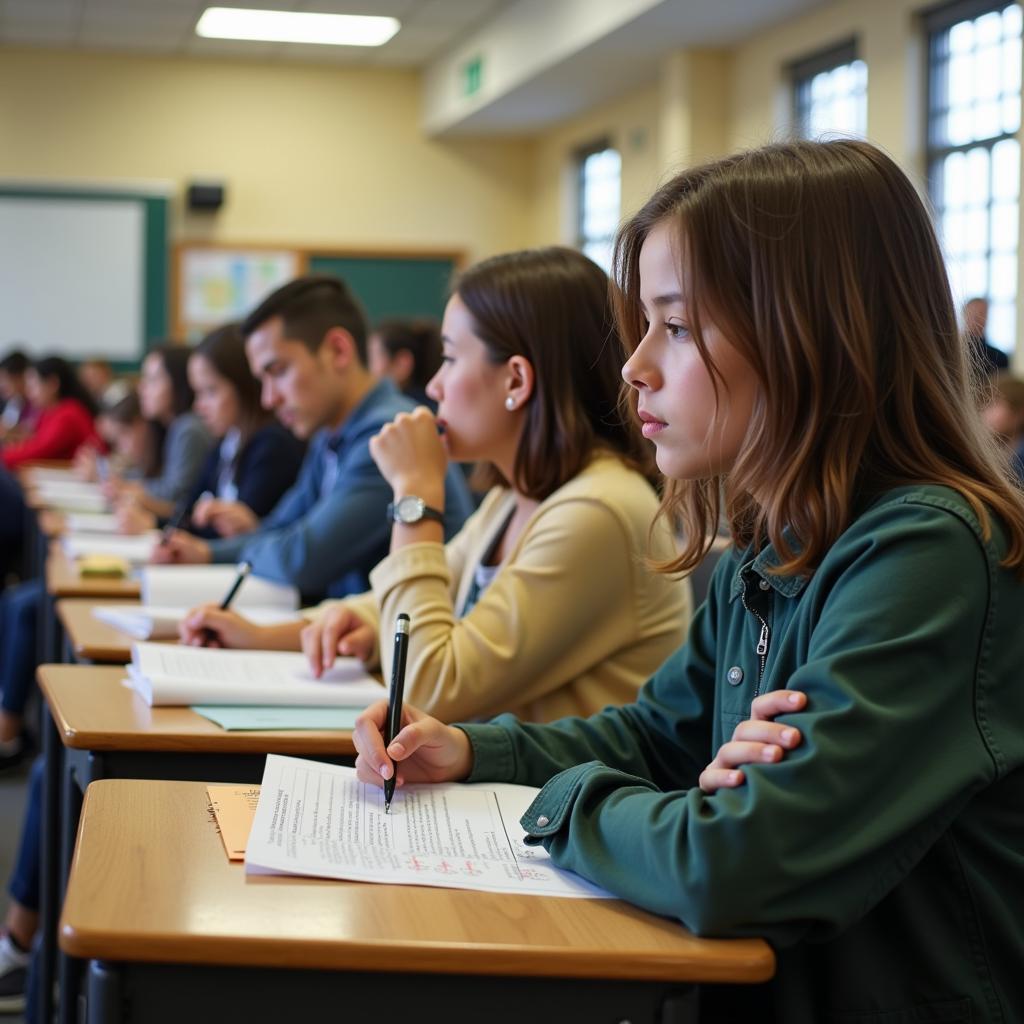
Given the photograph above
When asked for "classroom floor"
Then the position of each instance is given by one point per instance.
(13, 785)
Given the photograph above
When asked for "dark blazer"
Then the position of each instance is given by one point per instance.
(265, 468)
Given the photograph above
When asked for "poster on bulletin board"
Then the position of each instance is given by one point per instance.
(216, 285)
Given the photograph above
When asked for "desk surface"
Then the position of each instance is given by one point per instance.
(91, 639)
(150, 882)
(63, 580)
(93, 710)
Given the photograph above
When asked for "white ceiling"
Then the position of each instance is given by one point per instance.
(168, 27)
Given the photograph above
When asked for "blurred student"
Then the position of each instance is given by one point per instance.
(989, 359)
(407, 352)
(65, 414)
(542, 604)
(98, 378)
(181, 441)
(15, 409)
(1004, 416)
(127, 435)
(306, 342)
(255, 461)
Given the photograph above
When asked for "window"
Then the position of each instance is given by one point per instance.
(974, 99)
(830, 93)
(599, 202)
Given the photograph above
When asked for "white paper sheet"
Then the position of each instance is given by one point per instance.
(160, 622)
(135, 549)
(91, 522)
(186, 586)
(165, 674)
(319, 819)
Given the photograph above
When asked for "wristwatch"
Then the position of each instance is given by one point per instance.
(411, 509)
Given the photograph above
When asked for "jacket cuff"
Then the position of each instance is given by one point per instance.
(493, 756)
(553, 804)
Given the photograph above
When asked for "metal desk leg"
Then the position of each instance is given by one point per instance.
(49, 900)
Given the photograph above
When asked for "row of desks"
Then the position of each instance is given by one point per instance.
(162, 927)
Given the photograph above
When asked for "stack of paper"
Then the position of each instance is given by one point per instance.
(38, 475)
(135, 549)
(319, 819)
(72, 494)
(185, 586)
(91, 522)
(160, 622)
(163, 674)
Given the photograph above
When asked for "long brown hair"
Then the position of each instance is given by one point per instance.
(551, 306)
(818, 262)
(224, 349)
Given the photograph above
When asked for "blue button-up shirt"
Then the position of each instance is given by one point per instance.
(330, 529)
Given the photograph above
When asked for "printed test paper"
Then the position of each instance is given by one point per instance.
(319, 819)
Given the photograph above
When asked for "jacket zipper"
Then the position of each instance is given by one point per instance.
(761, 648)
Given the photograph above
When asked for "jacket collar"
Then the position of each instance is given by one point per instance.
(762, 564)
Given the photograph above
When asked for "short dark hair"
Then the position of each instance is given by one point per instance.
(552, 306)
(224, 349)
(421, 338)
(309, 307)
(15, 363)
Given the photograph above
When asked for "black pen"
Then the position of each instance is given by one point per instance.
(244, 568)
(178, 516)
(393, 726)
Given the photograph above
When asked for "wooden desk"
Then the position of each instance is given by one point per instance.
(161, 914)
(87, 638)
(64, 580)
(97, 728)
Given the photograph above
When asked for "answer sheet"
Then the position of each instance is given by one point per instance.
(319, 819)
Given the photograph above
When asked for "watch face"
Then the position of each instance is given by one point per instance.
(409, 509)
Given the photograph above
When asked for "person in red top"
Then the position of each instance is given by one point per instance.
(65, 415)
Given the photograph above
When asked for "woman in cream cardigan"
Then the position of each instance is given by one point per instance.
(543, 604)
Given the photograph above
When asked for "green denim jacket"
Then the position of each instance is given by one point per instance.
(884, 858)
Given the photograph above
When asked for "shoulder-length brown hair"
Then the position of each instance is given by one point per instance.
(552, 307)
(818, 262)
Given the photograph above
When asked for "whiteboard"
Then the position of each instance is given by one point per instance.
(72, 276)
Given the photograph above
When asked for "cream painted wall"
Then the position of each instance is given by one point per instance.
(311, 155)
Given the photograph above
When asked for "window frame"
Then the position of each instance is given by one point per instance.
(936, 23)
(581, 155)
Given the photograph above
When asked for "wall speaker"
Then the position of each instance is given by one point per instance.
(205, 196)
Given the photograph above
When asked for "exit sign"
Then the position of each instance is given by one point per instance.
(472, 76)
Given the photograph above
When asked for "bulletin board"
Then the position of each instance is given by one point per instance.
(213, 284)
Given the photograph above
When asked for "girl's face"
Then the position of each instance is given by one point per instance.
(41, 391)
(693, 437)
(470, 392)
(156, 392)
(129, 440)
(216, 400)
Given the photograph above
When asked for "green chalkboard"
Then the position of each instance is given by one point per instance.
(392, 286)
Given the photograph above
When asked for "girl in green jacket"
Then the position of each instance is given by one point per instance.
(795, 359)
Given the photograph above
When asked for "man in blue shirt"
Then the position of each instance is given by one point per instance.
(306, 343)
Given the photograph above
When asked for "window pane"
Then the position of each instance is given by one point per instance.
(833, 101)
(600, 199)
(973, 117)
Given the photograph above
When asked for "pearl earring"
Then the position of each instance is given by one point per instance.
(510, 403)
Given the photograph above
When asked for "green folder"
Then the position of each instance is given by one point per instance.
(239, 719)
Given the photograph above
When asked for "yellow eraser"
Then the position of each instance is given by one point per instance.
(110, 566)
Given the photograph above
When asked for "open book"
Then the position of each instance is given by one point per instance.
(91, 522)
(160, 622)
(164, 674)
(319, 819)
(185, 586)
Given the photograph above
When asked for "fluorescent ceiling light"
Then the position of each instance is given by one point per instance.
(294, 27)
